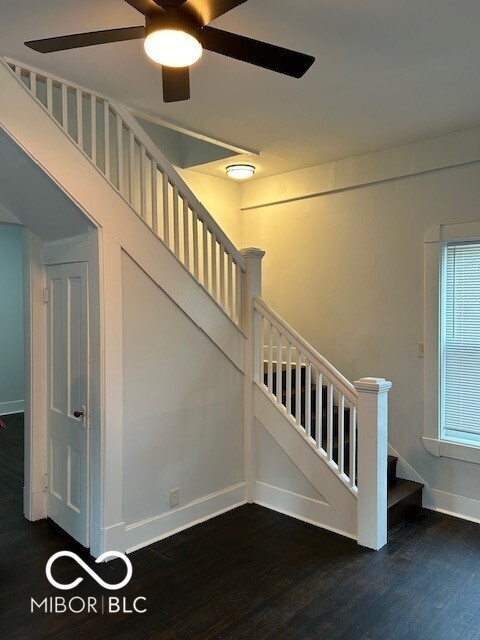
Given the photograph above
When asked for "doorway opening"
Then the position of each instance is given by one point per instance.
(12, 376)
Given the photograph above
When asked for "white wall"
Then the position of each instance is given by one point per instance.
(183, 412)
(346, 270)
(11, 320)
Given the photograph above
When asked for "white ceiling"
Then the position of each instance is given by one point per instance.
(388, 72)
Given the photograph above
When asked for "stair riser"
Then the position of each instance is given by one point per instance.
(405, 509)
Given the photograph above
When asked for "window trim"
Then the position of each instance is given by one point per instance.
(435, 240)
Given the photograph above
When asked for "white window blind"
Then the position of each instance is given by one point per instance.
(461, 342)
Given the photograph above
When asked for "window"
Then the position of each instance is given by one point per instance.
(451, 369)
(460, 343)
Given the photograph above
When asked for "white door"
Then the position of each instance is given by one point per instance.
(67, 413)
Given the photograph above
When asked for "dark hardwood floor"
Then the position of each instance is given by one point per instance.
(250, 574)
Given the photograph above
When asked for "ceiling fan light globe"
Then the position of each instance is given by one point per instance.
(173, 48)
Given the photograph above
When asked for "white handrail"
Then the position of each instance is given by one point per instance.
(344, 385)
(113, 140)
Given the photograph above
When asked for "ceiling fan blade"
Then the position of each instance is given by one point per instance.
(261, 54)
(147, 7)
(176, 84)
(76, 40)
(204, 11)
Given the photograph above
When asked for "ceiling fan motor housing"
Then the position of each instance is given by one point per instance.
(174, 20)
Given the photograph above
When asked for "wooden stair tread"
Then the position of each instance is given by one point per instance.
(402, 489)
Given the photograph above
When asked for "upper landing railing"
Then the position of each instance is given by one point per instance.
(109, 135)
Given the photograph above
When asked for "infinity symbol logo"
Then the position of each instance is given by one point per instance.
(75, 583)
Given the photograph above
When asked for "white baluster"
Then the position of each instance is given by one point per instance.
(33, 83)
(143, 183)
(329, 421)
(196, 248)
(131, 166)
(308, 399)
(50, 96)
(176, 228)
(353, 446)
(238, 294)
(341, 433)
(166, 212)
(155, 196)
(298, 389)
(222, 297)
(79, 97)
(186, 235)
(213, 250)
(121, 186)
(206, 280)
(64, 107)
(106, 137)
(319, 410)
(270, 359)
(230, 287)
(288, 402)
(93, 133)
(279, 369)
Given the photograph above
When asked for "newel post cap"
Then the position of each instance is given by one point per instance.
(252, 252)
(372, 385)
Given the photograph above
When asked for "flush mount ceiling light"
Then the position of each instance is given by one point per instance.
(173, 45)
(241, 171)
(175, 33)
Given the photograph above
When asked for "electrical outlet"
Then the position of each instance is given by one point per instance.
(173, 498)
(421, 349)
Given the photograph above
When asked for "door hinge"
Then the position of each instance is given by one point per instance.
(45, 296)
(45, 482)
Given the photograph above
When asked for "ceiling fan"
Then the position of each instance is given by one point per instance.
(176, 33)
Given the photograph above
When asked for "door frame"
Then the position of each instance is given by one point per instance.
(37, 257)
(104, 257)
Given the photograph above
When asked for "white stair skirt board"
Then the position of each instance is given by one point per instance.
(146, 532)
(300, 507)
(15, 406)
(308, 461)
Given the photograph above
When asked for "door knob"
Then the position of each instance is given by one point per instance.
(78, 414)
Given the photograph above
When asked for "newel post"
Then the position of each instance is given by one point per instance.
(372, 461)
(251, 287)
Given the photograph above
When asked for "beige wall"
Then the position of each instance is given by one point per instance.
(346, 270)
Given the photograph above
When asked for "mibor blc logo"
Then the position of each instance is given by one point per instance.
(90, 604)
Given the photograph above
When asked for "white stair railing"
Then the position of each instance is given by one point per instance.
(345, 423)
(108, 134)
(319, 401)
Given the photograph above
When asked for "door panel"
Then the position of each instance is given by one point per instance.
(67, 493)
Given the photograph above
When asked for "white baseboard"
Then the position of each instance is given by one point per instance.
(300, 507)
(34, 505)
(110, 538)
(146, 532)
(15, 406)
(452, 504)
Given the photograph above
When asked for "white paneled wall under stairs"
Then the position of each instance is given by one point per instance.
(317, 432)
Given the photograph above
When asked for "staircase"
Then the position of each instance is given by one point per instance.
(334, 432)
(404, 497)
